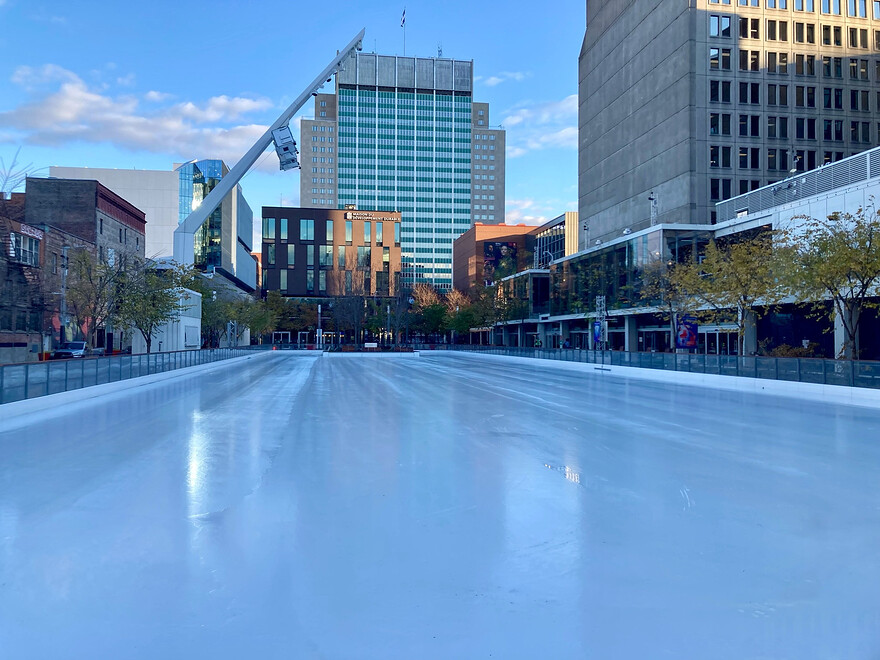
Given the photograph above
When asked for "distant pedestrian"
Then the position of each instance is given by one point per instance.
(566, 344)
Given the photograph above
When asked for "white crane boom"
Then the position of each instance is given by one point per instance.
(183, 235)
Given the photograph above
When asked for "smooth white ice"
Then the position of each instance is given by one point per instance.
(439, 507)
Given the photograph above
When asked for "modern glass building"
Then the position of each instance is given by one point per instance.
(223, 241)
(401, 131)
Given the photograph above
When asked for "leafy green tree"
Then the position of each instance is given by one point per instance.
(92, 291)
(836, 259)
(736, 281)
(147, 298)
(663, 285)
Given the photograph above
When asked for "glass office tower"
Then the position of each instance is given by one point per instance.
(398, 139)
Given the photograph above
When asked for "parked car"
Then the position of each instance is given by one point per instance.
(71, 349)
(98, 352)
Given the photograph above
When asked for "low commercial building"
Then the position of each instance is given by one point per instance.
(487, 253)
(311, 252)
(602, 284)
(556, 238)
(182, 333)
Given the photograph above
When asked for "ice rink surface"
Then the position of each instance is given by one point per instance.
(440, 506)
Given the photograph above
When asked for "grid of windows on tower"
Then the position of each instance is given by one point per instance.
(792, 86)
(411, 152)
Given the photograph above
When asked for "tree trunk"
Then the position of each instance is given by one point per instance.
(149, 340)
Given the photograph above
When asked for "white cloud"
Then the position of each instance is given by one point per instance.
(504, 76)
(523, 212)
(547, 125)
(126, 81)
(157, 97)
(529, 211)
(72, 111)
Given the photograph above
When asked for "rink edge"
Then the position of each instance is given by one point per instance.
(16, 409)
(857, 396)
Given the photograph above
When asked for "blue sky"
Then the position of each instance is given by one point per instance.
(147, 84)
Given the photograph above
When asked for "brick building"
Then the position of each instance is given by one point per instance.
(90, 211)
(327, 252)
(32, 261)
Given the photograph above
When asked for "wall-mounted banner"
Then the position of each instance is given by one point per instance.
(597, 332)
(686, 333)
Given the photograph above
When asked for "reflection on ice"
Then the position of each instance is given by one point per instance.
(382, 508)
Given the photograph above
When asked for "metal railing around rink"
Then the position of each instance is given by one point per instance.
(35, 379)
(849, 373)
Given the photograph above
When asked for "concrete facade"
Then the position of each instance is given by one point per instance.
(698, 102)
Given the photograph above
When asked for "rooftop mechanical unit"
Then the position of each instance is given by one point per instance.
(285, 146)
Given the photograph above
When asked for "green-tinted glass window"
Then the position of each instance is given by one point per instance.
(269, 228)
(270, 254)
(367, 228)
(348, 231)
(310, 281)
(310, 255)
(291, 256)
(283, 229)
(306, 230)
(326, 255)
(340, 252)
(283, 286)
(328, 232)
(379, 233)
(397, 234)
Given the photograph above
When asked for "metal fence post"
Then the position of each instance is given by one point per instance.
(2, 389)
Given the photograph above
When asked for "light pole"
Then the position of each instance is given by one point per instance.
(320, 334)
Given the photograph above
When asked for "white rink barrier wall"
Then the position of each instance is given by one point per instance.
(857, 396)
(10, 412)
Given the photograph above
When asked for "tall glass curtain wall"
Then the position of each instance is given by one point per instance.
(409, 152)
(197, 180)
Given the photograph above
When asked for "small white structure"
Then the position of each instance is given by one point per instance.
(183, 333)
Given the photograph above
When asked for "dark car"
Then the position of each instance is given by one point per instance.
(71, 349)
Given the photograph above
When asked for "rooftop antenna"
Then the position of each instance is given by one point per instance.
(439, 50)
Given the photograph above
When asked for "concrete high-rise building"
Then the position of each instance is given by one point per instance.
(403, 134)
(167, 197)
(682, 105)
